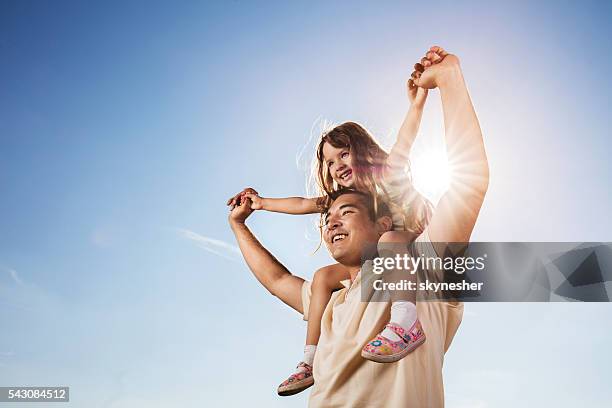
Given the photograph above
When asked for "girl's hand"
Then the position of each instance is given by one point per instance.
(416, 94)
(235, 200)
(256, 200)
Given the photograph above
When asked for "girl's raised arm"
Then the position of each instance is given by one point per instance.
(398, 157)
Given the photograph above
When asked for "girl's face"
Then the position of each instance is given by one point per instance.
(340, 164)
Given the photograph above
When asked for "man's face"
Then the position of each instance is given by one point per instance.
(349, 229)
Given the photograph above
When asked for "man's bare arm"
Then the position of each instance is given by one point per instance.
(267, 269)
(457, 211)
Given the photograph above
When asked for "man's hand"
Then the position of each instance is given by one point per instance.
(435, 67)
(240, 212)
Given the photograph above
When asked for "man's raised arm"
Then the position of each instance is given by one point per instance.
(268, 271)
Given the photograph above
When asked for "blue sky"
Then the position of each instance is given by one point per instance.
(124, 126)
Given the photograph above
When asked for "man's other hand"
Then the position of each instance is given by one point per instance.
(241, 211)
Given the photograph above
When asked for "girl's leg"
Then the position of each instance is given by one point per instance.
(325, 281)
(403, 303)
(404, 333)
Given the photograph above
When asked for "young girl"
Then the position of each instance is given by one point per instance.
(349, 157)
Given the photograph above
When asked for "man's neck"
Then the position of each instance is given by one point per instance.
(354, 271)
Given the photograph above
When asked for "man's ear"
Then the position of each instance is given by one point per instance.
(384, 224)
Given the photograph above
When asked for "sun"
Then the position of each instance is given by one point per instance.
(430, 172)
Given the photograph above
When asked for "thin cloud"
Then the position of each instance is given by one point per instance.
(13, 274)
(212, 245)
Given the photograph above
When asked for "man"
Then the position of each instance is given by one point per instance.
(342, 377)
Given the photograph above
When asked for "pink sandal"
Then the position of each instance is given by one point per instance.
(383, 350)
(297, 382)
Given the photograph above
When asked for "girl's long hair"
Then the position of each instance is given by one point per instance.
(369, 160)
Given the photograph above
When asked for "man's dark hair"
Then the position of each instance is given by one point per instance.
(376, 206)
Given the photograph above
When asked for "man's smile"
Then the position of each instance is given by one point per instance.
(338, 237)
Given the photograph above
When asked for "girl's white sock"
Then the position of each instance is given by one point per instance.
(309, 354)
(403, 314)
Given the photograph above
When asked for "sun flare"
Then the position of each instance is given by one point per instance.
(431, 172)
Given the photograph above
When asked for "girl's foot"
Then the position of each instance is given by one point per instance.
(298, 381)
(383, 350)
